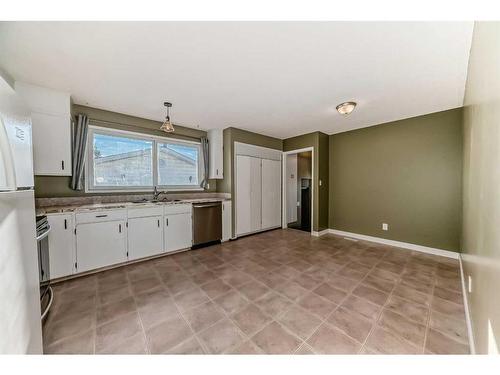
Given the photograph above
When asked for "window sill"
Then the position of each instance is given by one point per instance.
(141, 191)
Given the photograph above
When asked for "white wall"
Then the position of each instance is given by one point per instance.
(291, 188)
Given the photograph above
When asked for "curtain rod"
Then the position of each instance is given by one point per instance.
(94, 120)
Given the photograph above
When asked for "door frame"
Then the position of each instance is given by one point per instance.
(284, 220)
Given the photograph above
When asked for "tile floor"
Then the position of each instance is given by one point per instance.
(279, 292)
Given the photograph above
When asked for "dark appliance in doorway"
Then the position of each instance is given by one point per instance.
(305, 206)
(42, 240)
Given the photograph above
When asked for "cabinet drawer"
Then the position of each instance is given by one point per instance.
(178, 209)
(100, 216)
(145, 211)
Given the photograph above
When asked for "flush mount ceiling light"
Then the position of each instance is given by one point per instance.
(346, 108)
(167, 125)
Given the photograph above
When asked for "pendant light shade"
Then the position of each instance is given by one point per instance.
(167, 125)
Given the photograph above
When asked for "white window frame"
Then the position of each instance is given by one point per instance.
(89, 168)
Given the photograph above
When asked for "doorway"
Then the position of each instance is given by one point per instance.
(298, 189)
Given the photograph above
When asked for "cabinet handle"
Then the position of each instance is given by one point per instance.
(101, 215)
(65, 223)
(217, 172)
(158, 223)
(62, 165)
(119, 228)
(167, 221)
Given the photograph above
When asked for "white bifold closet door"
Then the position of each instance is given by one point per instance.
(248, 194)
(271, 193)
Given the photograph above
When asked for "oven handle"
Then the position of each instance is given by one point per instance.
(44, 234)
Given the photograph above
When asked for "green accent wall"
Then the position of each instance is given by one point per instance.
(319, 142)
(58, 186)
(405, 173)
(231, 135)
(481, 198)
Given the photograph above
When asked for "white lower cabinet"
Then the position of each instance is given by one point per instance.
(178, 231)
(226, 221)
(145, 237)
(62, 254)
(100, 244)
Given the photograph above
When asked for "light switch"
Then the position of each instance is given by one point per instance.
(385, 226)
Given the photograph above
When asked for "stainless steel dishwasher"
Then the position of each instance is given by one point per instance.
(207, 223)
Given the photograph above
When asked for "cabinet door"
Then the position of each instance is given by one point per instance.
(100, 244)
(226, 221)
(248, 194)
(178, 232)
(271, 199)
(145, 237)
(61, 245)
(215, 143)
(51, 144)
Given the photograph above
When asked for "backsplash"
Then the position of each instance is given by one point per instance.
(96, 199)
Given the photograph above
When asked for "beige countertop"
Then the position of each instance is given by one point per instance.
(116, 205)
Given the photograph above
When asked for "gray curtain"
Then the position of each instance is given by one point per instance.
(204, 149)
(80, 132)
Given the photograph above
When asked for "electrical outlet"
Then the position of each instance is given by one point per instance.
(298, 204)
(385, 226)
(469, 284)
(319, 182)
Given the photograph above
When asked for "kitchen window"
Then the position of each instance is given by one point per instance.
(125, 161)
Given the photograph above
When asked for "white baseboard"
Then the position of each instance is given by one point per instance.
(320, 233)
(468, 321)
(404, 245)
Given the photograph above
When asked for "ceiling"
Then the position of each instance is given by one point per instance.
(276, 78)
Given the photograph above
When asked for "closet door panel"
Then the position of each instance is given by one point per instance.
(271, 193)
(243, 196)
(256, 193)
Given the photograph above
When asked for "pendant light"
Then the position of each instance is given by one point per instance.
(167, 125)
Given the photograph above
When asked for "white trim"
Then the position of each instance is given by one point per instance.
(468, 320)
(284, 223)
(320, 233)
(404, 245)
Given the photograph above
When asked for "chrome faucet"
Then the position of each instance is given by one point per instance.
(156, 193)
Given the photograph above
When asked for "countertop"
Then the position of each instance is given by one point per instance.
(107, 206)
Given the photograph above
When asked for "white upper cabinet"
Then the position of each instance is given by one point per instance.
(51, 119)
(215, 159)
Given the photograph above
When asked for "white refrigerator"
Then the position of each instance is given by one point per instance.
(20, 325)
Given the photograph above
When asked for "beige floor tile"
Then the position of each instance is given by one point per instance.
(231, 301)
(412, 295)
(253, 290)
(384, 342)
(373, 295)
(168, 334)
(443, 306)
(111, 311)
(203, 316)
(319, 306)
(250, 319)
(411, 310)
(132, 345)
(399, 325)
(301, 322)
(362, 306)
(274, 339)
(378, 283)
(116, 331)
(248, 347)
(215, 288)
(190, 299)
(438, 343)
(351, 323)
(69, 326)
(331, 293)
(82, 343)
(190, 346)
(273, 304)
(327, 340)
(454, 328)
(221, 337)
